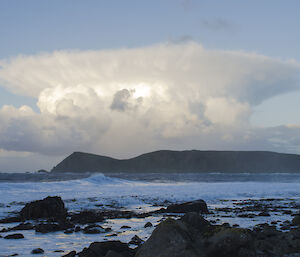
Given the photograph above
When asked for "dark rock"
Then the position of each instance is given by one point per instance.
(14, 236)
(48, 227)
(37, 251)
(125, 227)
(136, 240)
(77, 229)
(148, 224)
(112, 235)
(70, 254)
(169, 238)
(69, 231)
(23, 226)
(11, 219)
(194, 221)
(86, 217)
(50, 207)
(287, 212)
(193, 206)
(296, 220)
(193, 236)
(93, 229)
(102, 248)
(246, 215)
(264, 214)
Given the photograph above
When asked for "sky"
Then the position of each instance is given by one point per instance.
(121, 78)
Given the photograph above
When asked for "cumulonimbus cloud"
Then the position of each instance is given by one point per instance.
(135, 100)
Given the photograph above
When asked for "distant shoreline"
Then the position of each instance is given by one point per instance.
(167, 161)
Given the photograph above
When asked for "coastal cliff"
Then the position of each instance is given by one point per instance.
(184, 161)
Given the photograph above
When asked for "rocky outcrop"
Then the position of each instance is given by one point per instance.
(193, 236)
(50, 207)
(183, 161)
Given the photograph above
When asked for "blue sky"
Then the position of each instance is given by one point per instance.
(31, 29)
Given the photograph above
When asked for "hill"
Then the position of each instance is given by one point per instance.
(184, 161)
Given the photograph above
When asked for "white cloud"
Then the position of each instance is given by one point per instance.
(127, 101)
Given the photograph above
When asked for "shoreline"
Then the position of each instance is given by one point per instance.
(277, 213)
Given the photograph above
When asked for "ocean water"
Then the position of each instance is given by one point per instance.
(138, 192)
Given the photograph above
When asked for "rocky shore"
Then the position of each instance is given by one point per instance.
(184, 229)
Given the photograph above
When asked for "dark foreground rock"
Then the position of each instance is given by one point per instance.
(106, 249)
(50, 207)
(193, 236)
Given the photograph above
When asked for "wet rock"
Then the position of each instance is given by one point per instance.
(11, 219)
(246, 215)
(264, 214)
(14, 236)
(47, 227)
(125, 227)
(102, 249)
(112, 235)
(93, 229)
(193, 206)
(69, 231)
(193, 236)
(70, 254)
(50, 207)
(23, 226)
(136, 240)
(169, 238)
(148, 224)
(37, 251)
(77, 229)
(194, 221)
(86, 217)
(296, 220)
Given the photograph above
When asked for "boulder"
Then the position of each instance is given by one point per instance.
(170, 238)
(193, 206)
(50, 207)
(37, 251)
(101, 249)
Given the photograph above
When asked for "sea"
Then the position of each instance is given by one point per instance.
(136, 192)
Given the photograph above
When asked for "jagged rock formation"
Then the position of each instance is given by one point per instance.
(184, 161)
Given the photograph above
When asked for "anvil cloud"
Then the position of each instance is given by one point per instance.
(128, 101)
